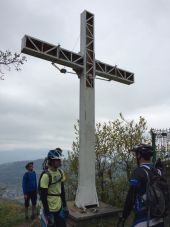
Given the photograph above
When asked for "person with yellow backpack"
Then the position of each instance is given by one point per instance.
(52, 194)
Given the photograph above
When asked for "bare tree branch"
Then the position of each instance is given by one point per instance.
(9, 60)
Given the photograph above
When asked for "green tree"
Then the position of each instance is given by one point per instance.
(114, 141)
(114, 161)
(128, 134)
(72, 164)
(9, 60)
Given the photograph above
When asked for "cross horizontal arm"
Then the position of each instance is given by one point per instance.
(50, 52)
(56, 54)
(113, 73)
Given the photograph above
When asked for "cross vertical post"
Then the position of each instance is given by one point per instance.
(87, 67)
(86, 193)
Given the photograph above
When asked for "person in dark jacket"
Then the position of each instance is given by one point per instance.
(29, 186)
(136, 196)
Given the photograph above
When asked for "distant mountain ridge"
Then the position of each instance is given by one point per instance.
(11, 173)
(11, 177)
(21, 155)
(25, 154)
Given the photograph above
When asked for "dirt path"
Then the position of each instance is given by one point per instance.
(35, 223)
(22, 225)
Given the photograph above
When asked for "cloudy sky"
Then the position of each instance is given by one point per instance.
(39, 106)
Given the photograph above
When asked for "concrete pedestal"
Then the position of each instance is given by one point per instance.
(104, 215)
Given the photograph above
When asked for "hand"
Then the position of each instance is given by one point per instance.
(121, 222)
(50, 220)
(25, 196)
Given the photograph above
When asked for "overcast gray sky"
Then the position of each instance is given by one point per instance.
(39, 106)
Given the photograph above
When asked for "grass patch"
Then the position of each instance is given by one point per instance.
(11, 213)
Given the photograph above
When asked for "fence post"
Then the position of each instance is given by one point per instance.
(153, 135)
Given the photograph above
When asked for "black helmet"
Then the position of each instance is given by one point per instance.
(143, 149)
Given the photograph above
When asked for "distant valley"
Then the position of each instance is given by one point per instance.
(11, 178)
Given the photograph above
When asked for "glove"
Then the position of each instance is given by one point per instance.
(121, 222)
(66, 212)
(50, 220)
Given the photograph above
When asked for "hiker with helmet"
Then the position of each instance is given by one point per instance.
(29, 185)
(148, 194)
(52, 194)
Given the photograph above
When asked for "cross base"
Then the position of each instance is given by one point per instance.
(91, 206)
(92, 217)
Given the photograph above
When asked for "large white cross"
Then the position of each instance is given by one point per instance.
(87, 68)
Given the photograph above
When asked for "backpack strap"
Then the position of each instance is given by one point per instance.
(61, 172)
(147, 175)
(145, 166)
(58, 180)
(152, 170)
(55, 182)
(49, 177)
(54, 194)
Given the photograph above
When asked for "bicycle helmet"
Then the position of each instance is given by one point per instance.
(55, 154)
(143, 149)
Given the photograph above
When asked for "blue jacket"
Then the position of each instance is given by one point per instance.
(29, 182)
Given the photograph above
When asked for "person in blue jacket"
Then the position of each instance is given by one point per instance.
(29, 185)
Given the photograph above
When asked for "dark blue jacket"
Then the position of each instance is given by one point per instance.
(135, 197)
(29, 182)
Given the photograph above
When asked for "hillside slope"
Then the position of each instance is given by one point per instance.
(11, 178)
(12, 215)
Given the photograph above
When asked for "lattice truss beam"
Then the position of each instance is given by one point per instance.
(162, 142)
(89, 57)
(56, 54)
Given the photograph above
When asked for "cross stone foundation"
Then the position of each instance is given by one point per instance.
(93, 217)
